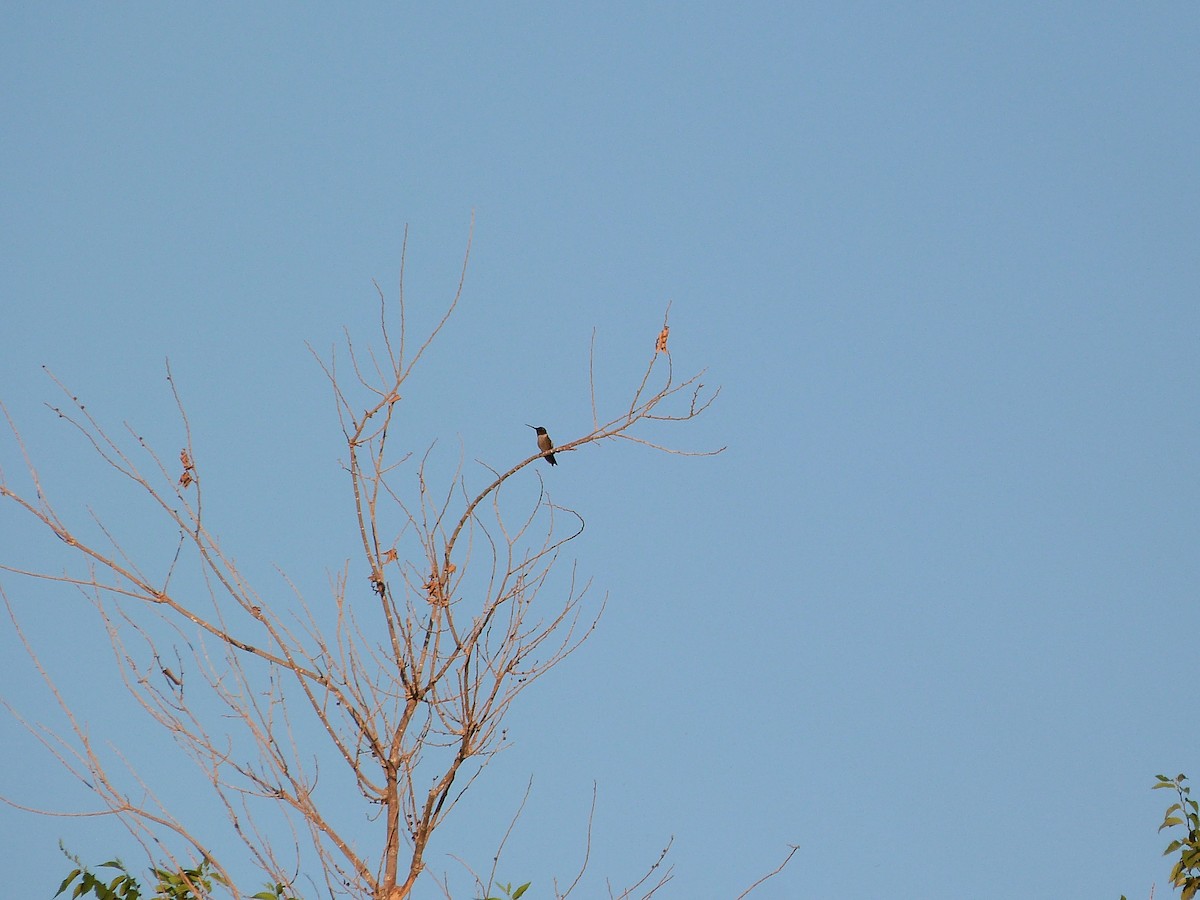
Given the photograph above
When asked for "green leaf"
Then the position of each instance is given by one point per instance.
(67, 881)
(522, 889)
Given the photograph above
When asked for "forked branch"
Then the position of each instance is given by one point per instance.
(406, 675)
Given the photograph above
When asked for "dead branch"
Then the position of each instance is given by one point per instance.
(408, 692)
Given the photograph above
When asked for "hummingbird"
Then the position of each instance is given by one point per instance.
(544, 442)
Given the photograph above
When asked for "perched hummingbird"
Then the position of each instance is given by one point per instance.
(544, 442)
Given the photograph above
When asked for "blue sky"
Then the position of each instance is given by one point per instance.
(931, 616)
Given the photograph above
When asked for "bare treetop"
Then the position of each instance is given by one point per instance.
(407, 670)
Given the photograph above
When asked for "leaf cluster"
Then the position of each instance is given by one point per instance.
(510, 892)
(183, 884)
(170, 884)
(1185, 874)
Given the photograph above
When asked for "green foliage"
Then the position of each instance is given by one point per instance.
(186, 884)
(274, 892)
(123, 887)
(1185, 874)
(179, 884)
(509, 892)
(183, 884)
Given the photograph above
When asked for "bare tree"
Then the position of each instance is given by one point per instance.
(408, 694)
